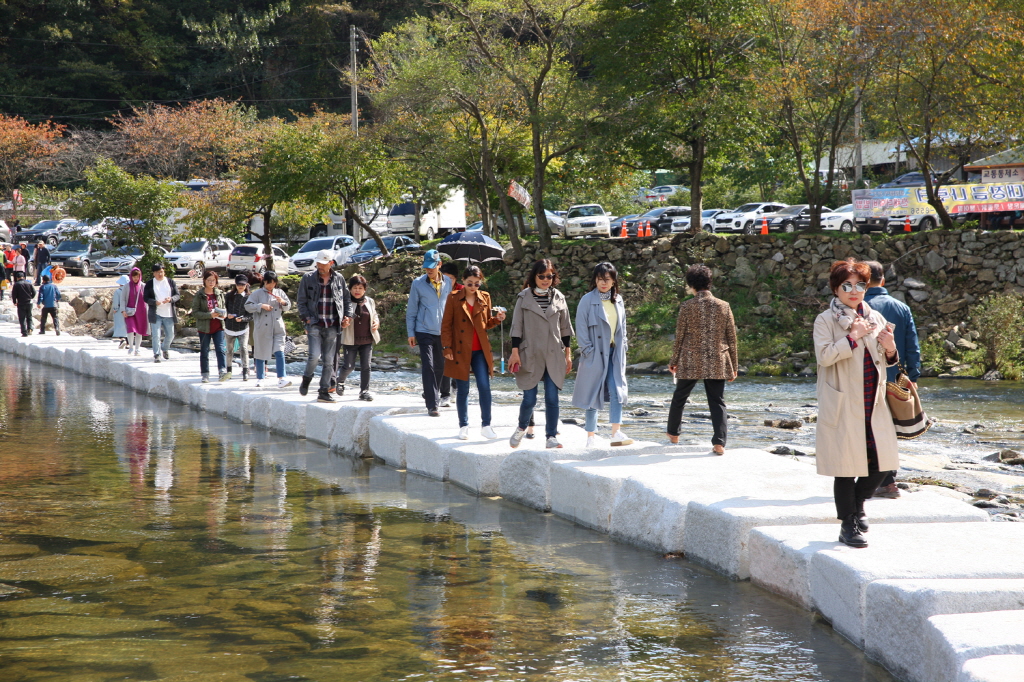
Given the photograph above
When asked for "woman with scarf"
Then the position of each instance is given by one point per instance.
(210, 313)
(358, 338)
(855, 438)
(133, 310)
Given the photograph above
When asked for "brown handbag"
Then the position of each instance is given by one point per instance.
(905, 406)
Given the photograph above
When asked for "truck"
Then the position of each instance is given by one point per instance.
(435, 221)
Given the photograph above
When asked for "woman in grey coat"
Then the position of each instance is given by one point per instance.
(541, 333)
(116, 307)
(601, 337)
(267, 306)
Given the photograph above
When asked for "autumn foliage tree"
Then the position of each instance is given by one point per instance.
(24, 147)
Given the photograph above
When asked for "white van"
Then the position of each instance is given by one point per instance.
(434, 221)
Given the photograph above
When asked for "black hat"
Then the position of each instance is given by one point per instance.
(241, 279)
(158, 266)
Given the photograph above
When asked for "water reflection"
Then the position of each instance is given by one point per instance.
(142, 541)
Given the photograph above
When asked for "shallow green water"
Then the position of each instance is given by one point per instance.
(142, 541)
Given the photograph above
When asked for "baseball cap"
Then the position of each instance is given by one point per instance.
(324, 257)
(431, 259)
(241, 279)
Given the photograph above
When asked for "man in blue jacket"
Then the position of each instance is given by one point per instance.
(423, 316)
(907, 344)
(49, 297)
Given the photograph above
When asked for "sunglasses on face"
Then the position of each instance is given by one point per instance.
(861, 287)
(472, 285)
(545, 277)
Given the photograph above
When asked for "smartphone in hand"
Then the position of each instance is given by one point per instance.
(514, 368)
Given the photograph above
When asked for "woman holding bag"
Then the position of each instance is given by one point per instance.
(601, 337)
(136, 317)
(467, 318)
(209, 311)
(541, 333)
(267, 306)
(855, 438)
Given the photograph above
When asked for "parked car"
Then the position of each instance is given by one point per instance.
(664, 191)
(840, 219)
(913, 179)
(5, 232)
(201, 255)
(789, 218)
(707, 220)
(50, 231)
(478, 226)
(369, 250)
(78, 255)
(743, 219)
(583, 220)
(918, 223)
(435, 221)
(248, 257)
(341, 248)
(616, 225)
(555, 222)
(121, 260)
(660, 219)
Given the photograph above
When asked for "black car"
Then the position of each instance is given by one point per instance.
(368, 250)
(616, 225)
(660, 220)
(79, 255)
(50, 231)
(913, 179)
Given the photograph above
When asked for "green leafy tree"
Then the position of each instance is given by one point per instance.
(143, 203)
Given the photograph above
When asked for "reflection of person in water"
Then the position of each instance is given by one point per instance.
(136, 441)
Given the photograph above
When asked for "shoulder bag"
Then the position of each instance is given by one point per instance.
(905, 406)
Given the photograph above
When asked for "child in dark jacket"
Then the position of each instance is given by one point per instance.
(49, 297)
(23, 293)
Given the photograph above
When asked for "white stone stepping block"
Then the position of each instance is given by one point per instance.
(956, 639)
(838, 576)
(351, 431)
(716, 533)
(288, 414)
(999, 668)
(320, 421)
(55, 356)
(896, 611)
(388, 435)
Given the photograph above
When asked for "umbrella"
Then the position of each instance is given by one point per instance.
(472, 246)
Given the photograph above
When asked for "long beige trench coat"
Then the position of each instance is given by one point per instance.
(541, 333)
(841, 441)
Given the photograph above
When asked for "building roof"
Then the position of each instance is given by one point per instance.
(1008, 157)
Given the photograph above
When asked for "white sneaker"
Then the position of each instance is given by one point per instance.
(259, 383)
(619, 438)
(488, 433)
(284, 382)
(464, 433)
(446, 402)
(595, 441)
(552, 443)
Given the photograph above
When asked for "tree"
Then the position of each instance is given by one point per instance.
(23, 146)
(683, 78)
(951, 75)
(816, 69)
(144, 203)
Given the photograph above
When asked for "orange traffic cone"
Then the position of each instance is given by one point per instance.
(906, 225)
(764, 226)
(647, 229)
(623, 234)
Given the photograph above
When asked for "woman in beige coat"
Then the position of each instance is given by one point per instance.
(855, 439)
(541, 333)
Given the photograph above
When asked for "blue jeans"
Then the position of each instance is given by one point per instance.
(550, 406)
(477, 365)
(614, 406)
(323, 346)
(204, 351)
(278, 358)
(163, 333)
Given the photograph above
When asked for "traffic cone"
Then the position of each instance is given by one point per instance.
(764, 226)
(647, 229)
(906, 225)
(623, 234)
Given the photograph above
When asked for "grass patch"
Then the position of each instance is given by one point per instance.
(924, 480)
(769, 369)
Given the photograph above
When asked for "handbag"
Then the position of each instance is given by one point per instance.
(905, 406)
(289, 345)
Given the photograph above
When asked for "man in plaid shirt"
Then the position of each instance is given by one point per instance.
(325, 307)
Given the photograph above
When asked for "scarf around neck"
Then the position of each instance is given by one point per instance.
(845, 315)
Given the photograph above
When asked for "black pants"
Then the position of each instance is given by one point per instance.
(714, 389)
(890, 478)
(364, 352)
(25, 317)
(432, 367)
(850, 493)
(52, 312)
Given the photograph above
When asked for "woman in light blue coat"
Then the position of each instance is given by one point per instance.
(601, 337)
(117, 305)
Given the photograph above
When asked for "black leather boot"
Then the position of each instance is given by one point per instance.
(849, 534)
(862, 521)
(304, 386)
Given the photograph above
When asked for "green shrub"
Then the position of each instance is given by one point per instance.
(770, 369)
(999, 319)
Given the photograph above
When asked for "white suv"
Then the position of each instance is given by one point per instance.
(586, 220)
(340, 247)
(746, 218)
(201, 255)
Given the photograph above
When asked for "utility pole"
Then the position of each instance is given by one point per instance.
(858, 159)
(354, 84)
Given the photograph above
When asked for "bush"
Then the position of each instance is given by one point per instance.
(999, 319)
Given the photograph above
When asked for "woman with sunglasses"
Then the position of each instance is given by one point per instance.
(855, 437)
(467, 318)
(541, 333)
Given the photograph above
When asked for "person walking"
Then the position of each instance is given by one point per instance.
(161, 295)
(41, 258)
(21, 260)
(451, 271)
(23, 293)
(855, 440)
(705, 350)
(908, 346)
(117, 306)
(10, 254)
(208, 309)
(467, 318)
(267, 305)
(325, 307)
(541, 334)
(136, 317)
(601, 338)
(236, 325)
(5, 279)
(359, 338)
(428, 295)
(49, 297)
